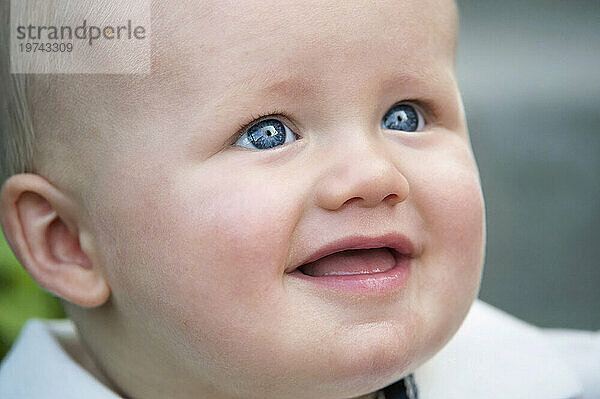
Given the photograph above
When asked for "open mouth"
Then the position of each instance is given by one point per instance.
(352, 262)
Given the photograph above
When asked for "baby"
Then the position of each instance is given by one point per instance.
(287, 206)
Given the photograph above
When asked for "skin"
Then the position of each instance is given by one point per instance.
(171, 244)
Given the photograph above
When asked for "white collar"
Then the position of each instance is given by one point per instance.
(39, 366)
(496, 356)
(492, 356)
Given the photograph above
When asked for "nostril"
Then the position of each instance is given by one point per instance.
(394, 198)
(352, 200)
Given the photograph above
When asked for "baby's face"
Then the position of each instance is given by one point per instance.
(356, 131)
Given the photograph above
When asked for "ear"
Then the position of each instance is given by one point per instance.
(41, 226)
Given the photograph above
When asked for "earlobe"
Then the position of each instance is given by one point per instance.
(41, 226)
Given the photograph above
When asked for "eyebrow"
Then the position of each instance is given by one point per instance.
(300, 85)
(293, 86)
(243, 95)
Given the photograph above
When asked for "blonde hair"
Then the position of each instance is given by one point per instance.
(17, 137)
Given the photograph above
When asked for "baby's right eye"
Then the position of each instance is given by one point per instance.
(266, 134)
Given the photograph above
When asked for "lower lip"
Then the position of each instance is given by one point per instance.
(369, 283)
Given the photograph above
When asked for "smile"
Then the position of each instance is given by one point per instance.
(359, 265)
(352, 262)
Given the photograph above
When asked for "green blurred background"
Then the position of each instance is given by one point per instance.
(20, 298)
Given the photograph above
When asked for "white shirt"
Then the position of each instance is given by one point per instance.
(492, 356)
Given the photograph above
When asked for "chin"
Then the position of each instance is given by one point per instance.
(365, 358)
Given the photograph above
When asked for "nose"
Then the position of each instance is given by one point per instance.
(366, 176)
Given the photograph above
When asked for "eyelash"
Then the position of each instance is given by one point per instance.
(427, 108)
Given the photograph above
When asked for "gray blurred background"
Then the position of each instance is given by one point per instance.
(530, 76)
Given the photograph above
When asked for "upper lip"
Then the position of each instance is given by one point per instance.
(398, 242)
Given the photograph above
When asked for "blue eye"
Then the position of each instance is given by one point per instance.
(403, 117)
(266, 134)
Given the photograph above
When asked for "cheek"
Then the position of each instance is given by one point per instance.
(450, 202)
(453, 206)
(238, 229)
(231, 237)
(207, 253)
(197, 232)
(448, 196)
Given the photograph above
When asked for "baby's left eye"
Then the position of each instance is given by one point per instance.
(403, 117)
(266, 134)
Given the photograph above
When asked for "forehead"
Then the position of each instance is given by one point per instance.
(213, 45)
(214, 49)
